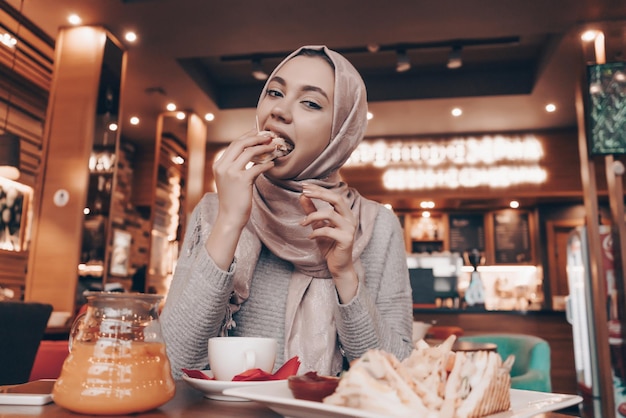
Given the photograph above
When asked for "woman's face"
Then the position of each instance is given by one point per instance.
(298, 106)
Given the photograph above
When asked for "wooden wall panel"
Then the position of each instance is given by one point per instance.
(25, 79)
(57, 238)
(13, 270)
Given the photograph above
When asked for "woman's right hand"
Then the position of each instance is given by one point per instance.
(234, 186)
(234, 181)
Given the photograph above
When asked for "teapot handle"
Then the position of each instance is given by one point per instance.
(76, 326)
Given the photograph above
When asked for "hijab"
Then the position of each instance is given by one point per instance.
(310, 331)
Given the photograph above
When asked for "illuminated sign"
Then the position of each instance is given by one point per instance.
(493, 161)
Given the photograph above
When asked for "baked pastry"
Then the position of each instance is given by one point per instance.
(281, 148)
(433, 382)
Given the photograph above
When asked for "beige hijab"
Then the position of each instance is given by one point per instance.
(310, 331)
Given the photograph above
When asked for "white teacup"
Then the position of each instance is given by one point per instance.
(230, 356)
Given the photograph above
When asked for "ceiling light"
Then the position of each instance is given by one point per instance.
(74, 19)
(8, 40)
(209, 117)
(171, 107)
(134, 120)
(589, 35)
(370, 116)
(130, 36)
(454, 59)
(457, 111)
(257, 70)
(112, 126)
(514, 204)
(403, 64)
(180, 115)
(550, 107)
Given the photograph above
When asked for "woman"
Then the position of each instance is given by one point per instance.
(285, 249)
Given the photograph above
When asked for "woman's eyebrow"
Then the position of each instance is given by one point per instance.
(282, 82)
(279, 80)
(316, 89)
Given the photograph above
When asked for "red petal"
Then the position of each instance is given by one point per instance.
(288, 369)
(196, 374)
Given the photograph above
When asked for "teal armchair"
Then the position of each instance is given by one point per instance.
(531, 369)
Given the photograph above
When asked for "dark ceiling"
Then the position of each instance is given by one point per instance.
(185, 48)
(491, 67)
(518, 56)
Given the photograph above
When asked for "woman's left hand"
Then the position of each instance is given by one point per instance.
(334, 229)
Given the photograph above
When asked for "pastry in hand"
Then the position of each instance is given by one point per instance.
(281, 148)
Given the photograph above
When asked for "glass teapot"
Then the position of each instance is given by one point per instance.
(117, 362)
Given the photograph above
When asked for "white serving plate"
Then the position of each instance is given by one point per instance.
(278, 397)
(213, 388)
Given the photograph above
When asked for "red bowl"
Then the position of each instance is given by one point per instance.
(312, 387)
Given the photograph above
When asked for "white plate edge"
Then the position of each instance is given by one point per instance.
(522, 412)
(219, 385)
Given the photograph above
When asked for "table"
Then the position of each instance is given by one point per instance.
(188, 403)
(465, 345)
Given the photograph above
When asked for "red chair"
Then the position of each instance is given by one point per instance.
(49, 360)
(441, 332)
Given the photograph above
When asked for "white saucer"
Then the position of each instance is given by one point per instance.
(212, 389)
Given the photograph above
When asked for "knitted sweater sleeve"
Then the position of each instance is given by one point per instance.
(197, 301)
(381, 314)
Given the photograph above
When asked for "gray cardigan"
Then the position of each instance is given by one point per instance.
(380, 315)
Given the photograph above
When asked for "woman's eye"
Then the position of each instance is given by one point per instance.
(274, 93)
(312, 105)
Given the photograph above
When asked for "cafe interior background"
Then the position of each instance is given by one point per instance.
(477, 137)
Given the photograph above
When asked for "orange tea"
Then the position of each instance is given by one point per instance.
(114, 378)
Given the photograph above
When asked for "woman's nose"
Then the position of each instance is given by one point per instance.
(282, 112)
